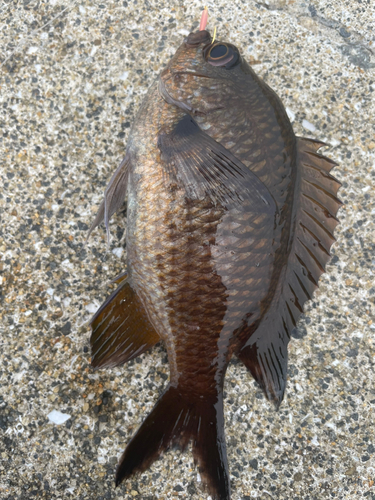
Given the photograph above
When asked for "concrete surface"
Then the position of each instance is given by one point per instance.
(72, 78)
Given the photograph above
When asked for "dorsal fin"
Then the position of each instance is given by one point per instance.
(121, 329)
(114, 196)
(266, 352)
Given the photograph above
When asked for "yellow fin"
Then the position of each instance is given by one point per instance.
(120, 329)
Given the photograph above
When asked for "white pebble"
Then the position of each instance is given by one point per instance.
(308, 126)
(118, 251)
(334, 142)
(58, 418)
(315, 441)
(67, 263)
(92, 308)
(291, 114)
(66, 302)
(33, 50)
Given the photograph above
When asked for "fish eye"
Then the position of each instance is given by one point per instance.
(222, 54)
(218, 51)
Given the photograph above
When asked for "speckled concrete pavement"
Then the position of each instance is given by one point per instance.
(72, 78)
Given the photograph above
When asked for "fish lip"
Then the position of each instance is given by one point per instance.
(196, 38)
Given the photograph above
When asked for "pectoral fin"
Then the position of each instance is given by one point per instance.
(204, 167)
(121, 329)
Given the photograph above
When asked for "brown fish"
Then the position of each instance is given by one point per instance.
(230, 224)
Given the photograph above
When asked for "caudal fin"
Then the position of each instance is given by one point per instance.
(174, 421)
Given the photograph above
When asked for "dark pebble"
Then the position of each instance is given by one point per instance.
(344, 33)
(66, 329)
(254, 463)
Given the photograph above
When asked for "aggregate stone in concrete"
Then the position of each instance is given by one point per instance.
(72, 76)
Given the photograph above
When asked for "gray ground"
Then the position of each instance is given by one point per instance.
(72, 78)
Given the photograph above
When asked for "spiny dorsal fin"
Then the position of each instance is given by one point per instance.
(266, 352)
(120, 329)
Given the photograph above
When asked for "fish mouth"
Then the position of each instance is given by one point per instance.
(181, 104)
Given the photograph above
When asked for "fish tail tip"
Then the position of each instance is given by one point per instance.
(94, 364)
(91, 229)
(118, 479)
(274, 395)
(277, 402)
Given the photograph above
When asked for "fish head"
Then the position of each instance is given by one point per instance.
(203, 75)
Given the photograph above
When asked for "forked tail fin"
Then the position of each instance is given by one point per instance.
(174, 421)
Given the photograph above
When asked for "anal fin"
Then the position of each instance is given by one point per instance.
(121, 329)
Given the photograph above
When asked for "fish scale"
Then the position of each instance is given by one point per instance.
(230, 223)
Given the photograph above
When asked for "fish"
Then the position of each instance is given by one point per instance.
(230, 221)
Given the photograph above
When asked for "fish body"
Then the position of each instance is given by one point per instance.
(230, 220)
